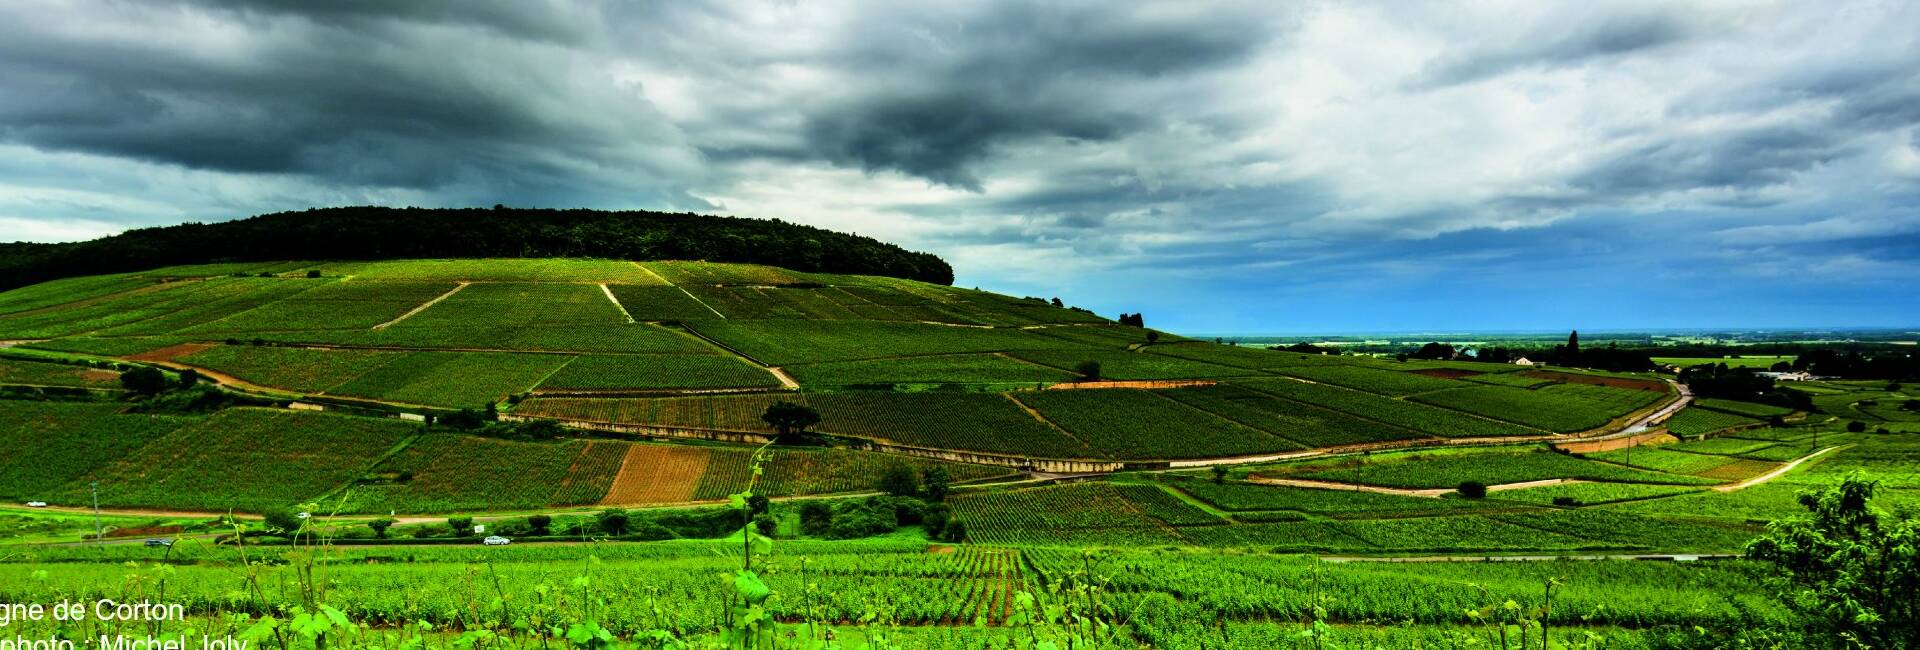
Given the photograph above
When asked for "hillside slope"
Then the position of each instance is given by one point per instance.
(377, 233)
(699, 349)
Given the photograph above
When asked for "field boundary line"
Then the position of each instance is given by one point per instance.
(423, 306)
(728, 348)
(656, 274)
(616, 303)
(689, 294)
(1043, 420)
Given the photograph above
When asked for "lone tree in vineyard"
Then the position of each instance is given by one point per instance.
(789, 418)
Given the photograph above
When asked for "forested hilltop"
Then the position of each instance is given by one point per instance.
(372, 233)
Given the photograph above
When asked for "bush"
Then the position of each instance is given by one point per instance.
(898, 480)
(935, 483)
(955, 532)
(935, 520)
(816, 517)
(462, 526)
(1473, 489)
(539, 524)
(1089, 370)
(380, 527)
(1566, 501)
(765, 524)
(649, 531)
(854, 519)
(614, 521)
(144, 380)
(189, 377)
(282, 519)
(1856, 426)
(314, 273)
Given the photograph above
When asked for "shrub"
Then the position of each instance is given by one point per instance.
(935, 482)
(539, 524)
(862, 518)
(956, 531)
(1472, 489)
(816, 517)
(314, 273)
(282, 519)
(1566, 501)
(766, 524)
(144, 380)
(614, 521)
(462, 526)
(1089, 370)
(380, 527)
(898, 480)
(1219, 474)
(935, 520)
(1856, 426)
(650, 531)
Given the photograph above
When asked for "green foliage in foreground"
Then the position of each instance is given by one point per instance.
(1851, 571)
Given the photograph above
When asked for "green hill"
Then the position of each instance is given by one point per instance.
(377, 233)
(701, 349)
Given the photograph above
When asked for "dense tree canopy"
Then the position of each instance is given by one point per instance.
(368, 233)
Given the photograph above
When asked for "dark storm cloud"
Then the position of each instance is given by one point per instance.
(944, 91)
(359, 94)
(1567, 40)
(1047, 147)
(1740, 161)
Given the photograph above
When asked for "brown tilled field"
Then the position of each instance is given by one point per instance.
(170, 352)
(657, 474)
(1595, 380)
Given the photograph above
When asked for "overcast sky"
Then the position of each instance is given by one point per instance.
(1258, 167)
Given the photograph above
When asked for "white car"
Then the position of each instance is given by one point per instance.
(36, 504)
(496, 540)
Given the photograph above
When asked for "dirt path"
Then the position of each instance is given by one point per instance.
(1777, 473)
(785, 379)
(423, 306)
(616, 303)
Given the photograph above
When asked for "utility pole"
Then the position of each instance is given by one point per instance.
(95, 488)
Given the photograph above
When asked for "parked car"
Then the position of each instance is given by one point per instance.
(159, 542)
(36, 504)
(496, 540)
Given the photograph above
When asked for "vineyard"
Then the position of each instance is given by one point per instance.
(29, 373)
(1448, 469)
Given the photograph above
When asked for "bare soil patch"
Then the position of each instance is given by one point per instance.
(657, 474)
(1595, 380)
(170, 352)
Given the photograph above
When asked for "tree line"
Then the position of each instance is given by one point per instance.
(375, 233)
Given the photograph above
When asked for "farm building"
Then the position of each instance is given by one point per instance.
(1523, 361)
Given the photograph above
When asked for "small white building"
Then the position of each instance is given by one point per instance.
(1523, 361)
(1786, 376)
